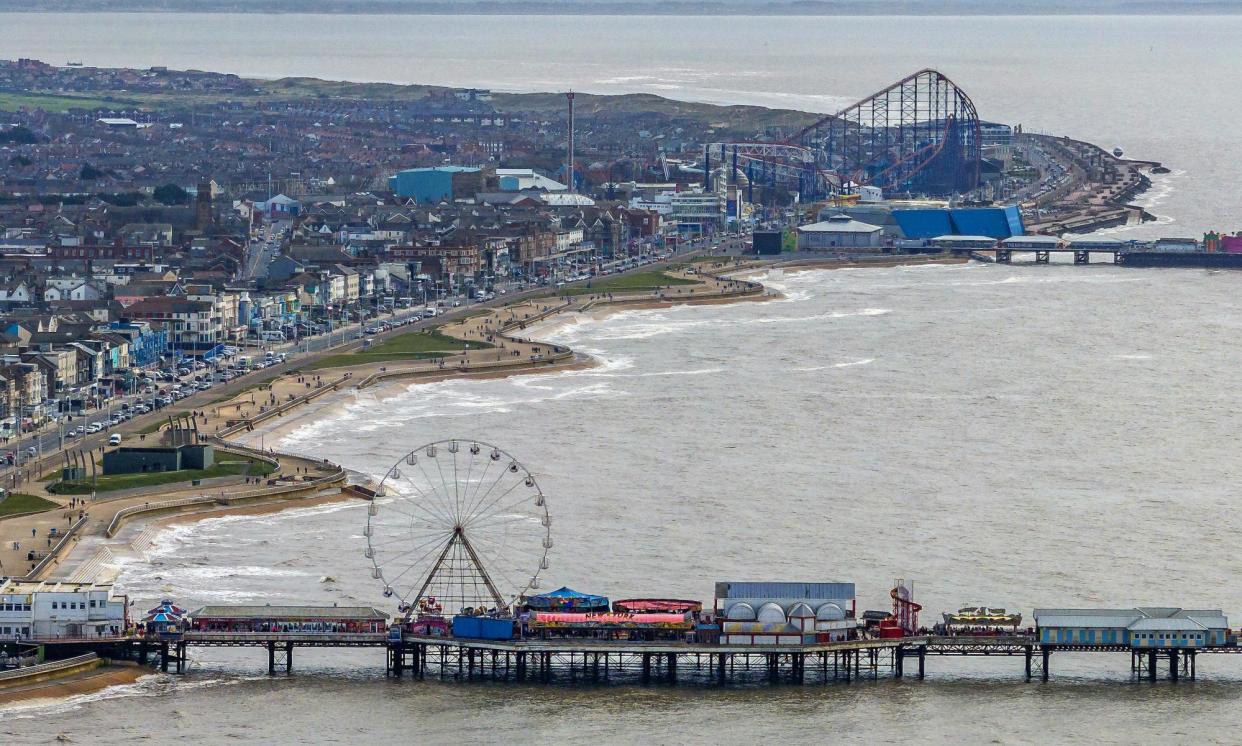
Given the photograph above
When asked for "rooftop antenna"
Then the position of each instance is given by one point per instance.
(569, 163)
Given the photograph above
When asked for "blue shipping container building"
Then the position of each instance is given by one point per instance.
(427, 185)
(994, 222)
(482, 628)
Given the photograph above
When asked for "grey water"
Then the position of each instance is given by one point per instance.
(1005, 436)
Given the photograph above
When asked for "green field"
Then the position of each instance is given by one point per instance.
(229, 465)
(412, 346)
(56, 103)
(19, 502)
(637, 282)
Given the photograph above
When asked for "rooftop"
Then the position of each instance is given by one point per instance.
(839, 224)
(10, 585)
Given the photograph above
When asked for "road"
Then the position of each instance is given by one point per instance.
(263, 247)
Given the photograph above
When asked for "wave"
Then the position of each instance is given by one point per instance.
(1060, 277)
(851, 364)
(700, 372)
(458, 398)
(1162, 187)
(655, 325)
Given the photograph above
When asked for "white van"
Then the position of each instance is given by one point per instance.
(114, 439)
(430, 312)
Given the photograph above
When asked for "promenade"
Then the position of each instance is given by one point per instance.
(75, 535)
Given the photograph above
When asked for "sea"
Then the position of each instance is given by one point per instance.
(1008, 436)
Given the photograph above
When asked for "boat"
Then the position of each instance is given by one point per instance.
(73, 64)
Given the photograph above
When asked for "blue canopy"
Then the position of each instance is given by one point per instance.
(567, 599)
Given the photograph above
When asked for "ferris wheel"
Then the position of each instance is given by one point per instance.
(458, 524)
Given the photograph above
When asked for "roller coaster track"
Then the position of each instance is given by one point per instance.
(920, 134)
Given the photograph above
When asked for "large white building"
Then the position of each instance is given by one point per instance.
(839, 232)
(522, 179)
(685, 211)
(54, 609)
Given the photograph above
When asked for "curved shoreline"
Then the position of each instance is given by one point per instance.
(245, 415)
(276, 426)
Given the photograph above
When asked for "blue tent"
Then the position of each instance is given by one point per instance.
(567, 599)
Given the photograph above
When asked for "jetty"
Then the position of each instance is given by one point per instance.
(568, 661)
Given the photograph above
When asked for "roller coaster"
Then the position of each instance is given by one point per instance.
(919, 135)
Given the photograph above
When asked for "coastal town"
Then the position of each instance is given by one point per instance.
(151, 220)
(185, 256)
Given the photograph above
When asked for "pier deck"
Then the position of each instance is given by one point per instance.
(669, 661)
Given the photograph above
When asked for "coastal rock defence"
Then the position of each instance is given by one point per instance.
(1096, 190)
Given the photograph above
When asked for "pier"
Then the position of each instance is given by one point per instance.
(571, 661)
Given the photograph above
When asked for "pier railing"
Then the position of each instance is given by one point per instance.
(255, 638)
